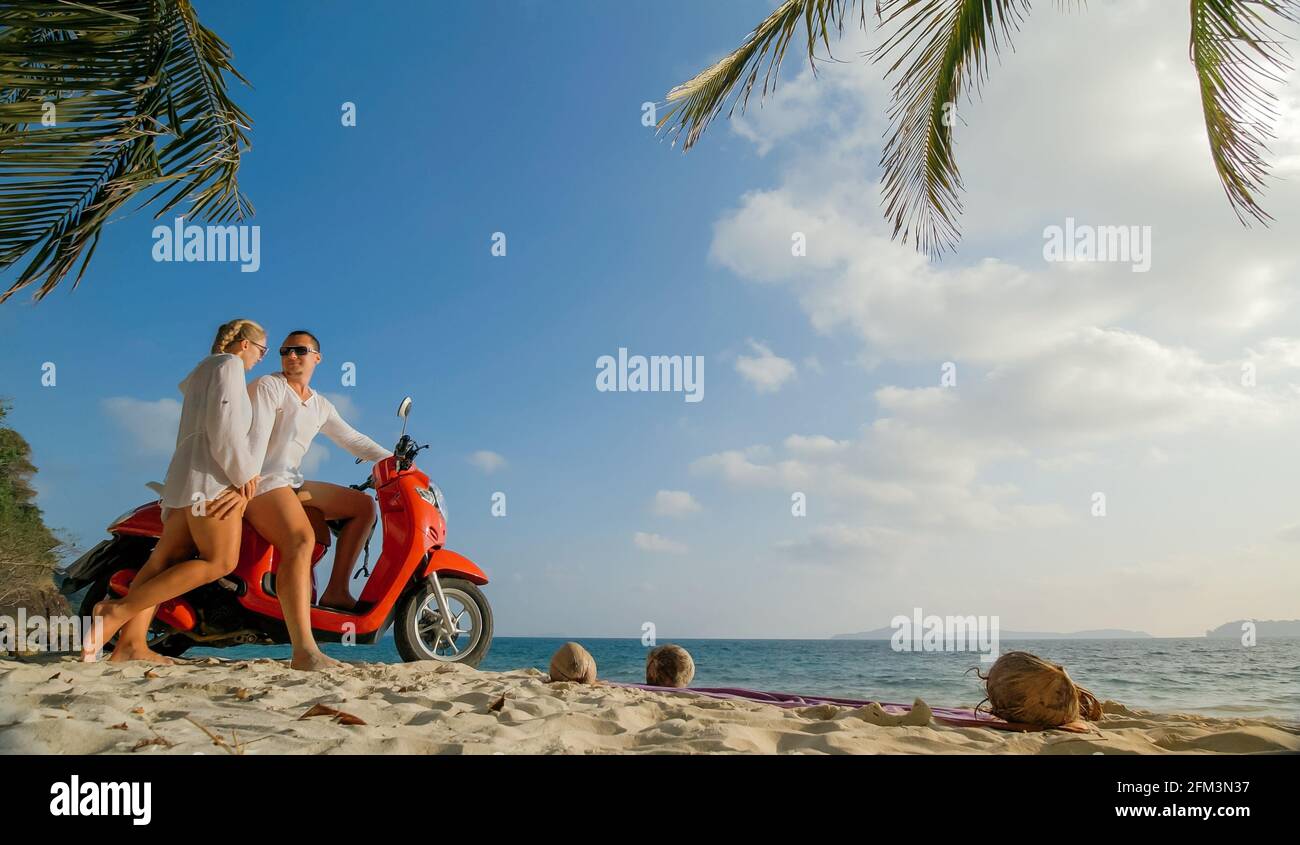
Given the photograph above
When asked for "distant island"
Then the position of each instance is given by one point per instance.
(1263, 628)
(1100, 634)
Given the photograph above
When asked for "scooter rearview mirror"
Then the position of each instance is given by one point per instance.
(404, 411)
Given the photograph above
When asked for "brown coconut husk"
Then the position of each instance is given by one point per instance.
(572, 662)
(1024, 688)
(669, 666)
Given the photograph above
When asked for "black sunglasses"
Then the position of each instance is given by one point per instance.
(300, 351)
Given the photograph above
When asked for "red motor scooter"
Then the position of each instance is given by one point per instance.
(429, 592)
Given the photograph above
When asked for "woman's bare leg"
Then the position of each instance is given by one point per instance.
(175, 545)
(218, 544)
(278, 516)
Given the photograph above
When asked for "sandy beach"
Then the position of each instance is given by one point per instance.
(55, 705)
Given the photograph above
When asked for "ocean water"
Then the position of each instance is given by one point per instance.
(1217, 677)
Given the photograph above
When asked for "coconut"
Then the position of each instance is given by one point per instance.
(1022, 687)
(669, 666)
(572, 662)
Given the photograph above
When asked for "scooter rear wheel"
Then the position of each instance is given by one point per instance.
(173, 645)
(418, 632)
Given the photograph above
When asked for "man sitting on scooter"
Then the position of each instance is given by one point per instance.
(285, 401)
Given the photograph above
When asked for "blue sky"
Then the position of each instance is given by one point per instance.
(524, 118)
(497, 117)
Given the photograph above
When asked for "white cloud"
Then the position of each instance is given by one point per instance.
(795, 106)
(816, 444)
(922, 461)
(903, 306)
(151, 425)
(1097, 385)
(736, 468)
(487, 462)
(766, 372)
(343, 403)
(675, 503)
(858, 542)
(657, 543)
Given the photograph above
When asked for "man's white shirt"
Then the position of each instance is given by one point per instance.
(293, 424)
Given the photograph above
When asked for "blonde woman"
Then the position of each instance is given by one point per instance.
(212, 475)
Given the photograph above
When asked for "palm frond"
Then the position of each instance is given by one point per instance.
(943, 48)
(700, 99)
(1236, 50)
(140, 97)
(203, 158)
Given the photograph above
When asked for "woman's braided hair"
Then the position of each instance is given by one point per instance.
(235, 331)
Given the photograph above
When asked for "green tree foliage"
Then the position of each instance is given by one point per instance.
(27, 546)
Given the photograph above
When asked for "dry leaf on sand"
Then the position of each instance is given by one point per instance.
(338, 716)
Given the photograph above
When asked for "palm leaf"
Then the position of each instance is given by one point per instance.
(699, 100)
(1235, 49)
(943, 49)
(141, 101)
(203, 160)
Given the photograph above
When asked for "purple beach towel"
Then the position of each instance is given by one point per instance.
(959, 717)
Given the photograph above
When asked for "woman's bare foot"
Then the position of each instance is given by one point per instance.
(123, 653)
(109, 619)
(314, 661)
(340, 602)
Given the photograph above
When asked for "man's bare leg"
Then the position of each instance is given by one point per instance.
(278, 516)
(335, 502)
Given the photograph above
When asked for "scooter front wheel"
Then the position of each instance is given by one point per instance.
(421, 634)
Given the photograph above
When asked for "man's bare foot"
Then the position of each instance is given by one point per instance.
(109, 618)
(314, 661)
(123, 653)
(341, 602)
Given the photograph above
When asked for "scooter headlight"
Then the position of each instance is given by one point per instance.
(433, 496)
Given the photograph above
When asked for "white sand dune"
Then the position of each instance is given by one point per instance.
(59, 706)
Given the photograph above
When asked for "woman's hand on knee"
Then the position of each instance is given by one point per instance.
(230, 501)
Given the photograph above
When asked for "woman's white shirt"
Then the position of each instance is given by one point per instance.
(293, 423)
(213, 446)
